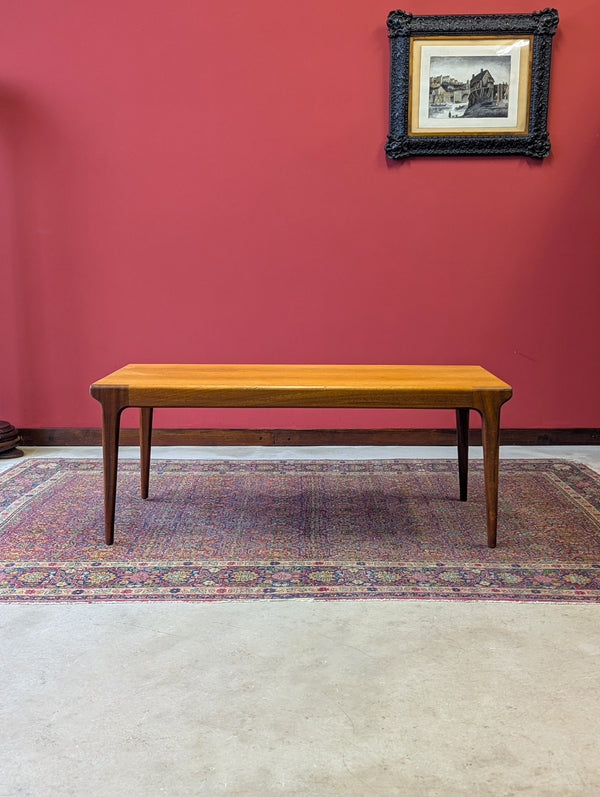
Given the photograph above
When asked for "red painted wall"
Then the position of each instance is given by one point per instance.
(202, 181)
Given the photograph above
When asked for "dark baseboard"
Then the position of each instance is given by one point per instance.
(310, 437)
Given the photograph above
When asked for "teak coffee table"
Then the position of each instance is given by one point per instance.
(458, 387)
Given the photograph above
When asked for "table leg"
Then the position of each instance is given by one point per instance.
(462, 436)
(111, 421)
(145, 447)
(490, 432)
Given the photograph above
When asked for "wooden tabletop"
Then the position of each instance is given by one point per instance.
(225, 385)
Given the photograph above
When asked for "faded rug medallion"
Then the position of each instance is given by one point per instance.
(222, 530)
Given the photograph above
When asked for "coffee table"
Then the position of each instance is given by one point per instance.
(458, 387)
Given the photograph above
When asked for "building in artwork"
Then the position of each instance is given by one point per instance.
(484, 89)
(446, 90)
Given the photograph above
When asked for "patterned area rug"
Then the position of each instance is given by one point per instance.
(293, 529)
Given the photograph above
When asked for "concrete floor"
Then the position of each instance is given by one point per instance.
(301, 697)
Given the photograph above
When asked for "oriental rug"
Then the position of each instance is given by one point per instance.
(223, 530)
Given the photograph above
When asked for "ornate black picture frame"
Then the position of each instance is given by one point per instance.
(470, 84)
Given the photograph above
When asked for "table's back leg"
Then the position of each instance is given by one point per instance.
(462, 436)
(145, 447)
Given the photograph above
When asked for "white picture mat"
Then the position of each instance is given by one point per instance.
(428, 51)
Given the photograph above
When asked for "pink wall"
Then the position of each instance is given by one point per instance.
(206, 181)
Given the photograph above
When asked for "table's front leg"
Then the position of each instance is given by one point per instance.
(490, 436)
(113, 400)
(111, 422)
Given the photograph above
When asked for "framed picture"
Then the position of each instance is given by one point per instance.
(470, 84)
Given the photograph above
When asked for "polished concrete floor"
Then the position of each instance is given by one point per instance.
(301, 697)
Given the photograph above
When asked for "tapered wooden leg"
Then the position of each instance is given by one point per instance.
(111, 420)
(490, 432)
(145, 447)
(462, 437)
